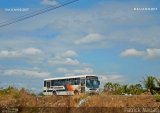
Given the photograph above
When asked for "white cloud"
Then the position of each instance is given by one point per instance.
(9, 54)
(149, 53)
(84, 71)
(147, 36)
(66, 58)
(29, 52)
(102, 19)
(116, 78)
(62, 70)
(90, 38)
(31, 55)
(70, 25)
(57, 61)
(153, 53)
(75, 71)
(32, 51)
(132, 53)
(69, 53)
(25, 73)
(49, 2)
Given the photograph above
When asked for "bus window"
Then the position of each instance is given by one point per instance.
(52, 82)
(74, 81)
(44, 83)
(68, 81)
(57, 83)
(77, 81)
(48, 84)
(82, 82)
(82, 85)
(62, 82)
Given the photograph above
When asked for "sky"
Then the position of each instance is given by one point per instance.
(114, 39)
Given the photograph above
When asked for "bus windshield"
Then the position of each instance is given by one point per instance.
(92, 83)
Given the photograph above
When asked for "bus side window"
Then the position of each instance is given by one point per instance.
(62, 82)
(82, 82)
(65, 81)
(78, 81)
(44, 83)
(73, 81)
(58, 83)
(52, 82)
(48, 84)
(68, 81)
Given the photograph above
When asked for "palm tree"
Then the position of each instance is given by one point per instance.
(108, 86)
(125, 88)
(135, 89)
(157, 81)
(132, 89)
(115, 86)
(149, 84)
(158, 84)
(138, 86)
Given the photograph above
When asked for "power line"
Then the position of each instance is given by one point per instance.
(41, 11)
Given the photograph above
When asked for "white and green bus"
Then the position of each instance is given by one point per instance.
(71, 85)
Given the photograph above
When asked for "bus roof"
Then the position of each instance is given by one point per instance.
(67, 77)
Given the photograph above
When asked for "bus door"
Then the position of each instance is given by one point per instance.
(48, 85)
(83, 85)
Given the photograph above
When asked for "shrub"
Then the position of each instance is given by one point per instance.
(157, 97)
(16, 96)
(41, 94)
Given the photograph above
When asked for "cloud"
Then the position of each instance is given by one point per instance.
(29, 52)
(31, 55)
(132, 53)
(25, 73)
(58, 61)
(32, 51)
(75, 71)
(147, 36)
(116, 78)
(153, 53)
(49, 2)
(80, 29)
(65, 58)
(90, 38)
(149, 53)
(102, 19)
(69, 53)
(84, 71)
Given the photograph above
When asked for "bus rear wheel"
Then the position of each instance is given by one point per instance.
(76, 92)
(54, 93)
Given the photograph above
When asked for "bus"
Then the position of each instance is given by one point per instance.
(71, 85)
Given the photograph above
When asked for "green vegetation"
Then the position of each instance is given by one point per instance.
(157, 98)
(111, 97)
(150, 84)
(148, 89)
(117, 89)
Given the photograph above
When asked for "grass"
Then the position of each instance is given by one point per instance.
(157, 98)
(13, 97)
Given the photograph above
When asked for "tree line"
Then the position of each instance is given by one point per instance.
(149, 84)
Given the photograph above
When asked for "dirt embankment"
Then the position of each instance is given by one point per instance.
(79, 103)
(23, 99)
